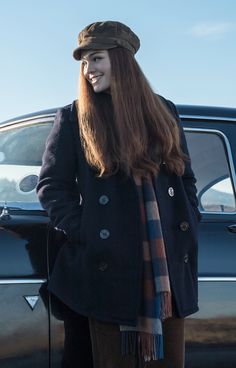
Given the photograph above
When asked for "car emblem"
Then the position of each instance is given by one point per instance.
(32, 300)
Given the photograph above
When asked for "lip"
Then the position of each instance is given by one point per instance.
(95, 79)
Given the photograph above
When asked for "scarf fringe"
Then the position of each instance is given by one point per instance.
(149, 347)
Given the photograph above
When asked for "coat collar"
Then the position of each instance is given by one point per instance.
(73, 111)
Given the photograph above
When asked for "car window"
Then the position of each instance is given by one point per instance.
(211, 164)
(21, 149)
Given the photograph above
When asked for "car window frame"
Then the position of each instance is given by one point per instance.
(21, 123)
(229, 158)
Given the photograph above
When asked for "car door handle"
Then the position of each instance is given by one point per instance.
(232, 228)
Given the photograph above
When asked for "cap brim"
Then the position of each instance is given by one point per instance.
(92, 46)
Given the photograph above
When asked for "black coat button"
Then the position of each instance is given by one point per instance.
(184, 226)
(104, 234)
(103, 199)
(186, 258)
(102, 266)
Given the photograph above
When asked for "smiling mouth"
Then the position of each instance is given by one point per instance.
(95, 79)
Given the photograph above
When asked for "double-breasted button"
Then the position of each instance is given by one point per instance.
(103, 199)
(104, 234)
(186, 258)
(103, 266)
(171, 192)
(184, 226)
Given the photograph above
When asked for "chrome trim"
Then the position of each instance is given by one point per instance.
(22, 281)
(205, 117)
(217, 279)
(230, 159)
(43, 281)
(25, 122)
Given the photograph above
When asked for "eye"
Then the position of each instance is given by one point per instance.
(96, 58)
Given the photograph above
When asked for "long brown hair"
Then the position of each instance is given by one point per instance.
(130, 128)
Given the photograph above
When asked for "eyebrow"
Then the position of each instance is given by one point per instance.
(92, 53)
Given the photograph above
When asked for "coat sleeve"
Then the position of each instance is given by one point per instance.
(188, 177)
(57, 187)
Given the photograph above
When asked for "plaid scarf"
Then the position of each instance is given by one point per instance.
(146, 339)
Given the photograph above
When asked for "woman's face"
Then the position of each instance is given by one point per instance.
(97, 69)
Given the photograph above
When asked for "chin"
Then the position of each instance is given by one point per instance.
(98, 89)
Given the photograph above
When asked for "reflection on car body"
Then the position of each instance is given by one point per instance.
(28, 244)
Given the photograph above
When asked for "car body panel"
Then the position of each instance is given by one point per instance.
(24, 338)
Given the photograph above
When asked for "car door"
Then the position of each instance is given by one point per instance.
(24, 317)
(210, 333)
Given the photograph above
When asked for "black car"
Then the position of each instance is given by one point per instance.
(31, 322)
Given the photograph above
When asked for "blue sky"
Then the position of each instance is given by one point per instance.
(188, 49)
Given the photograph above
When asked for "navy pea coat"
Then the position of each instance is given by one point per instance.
(98, 270)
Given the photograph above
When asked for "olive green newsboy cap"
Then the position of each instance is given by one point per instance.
(106, 35)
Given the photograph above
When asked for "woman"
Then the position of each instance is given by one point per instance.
(117, 179)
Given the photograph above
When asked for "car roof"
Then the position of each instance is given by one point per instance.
(33, 115)
(207, 112)
(185, 111)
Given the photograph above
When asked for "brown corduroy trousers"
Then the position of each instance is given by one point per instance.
(106, 346)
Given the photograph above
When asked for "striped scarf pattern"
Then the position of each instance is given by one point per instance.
(146, 338)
